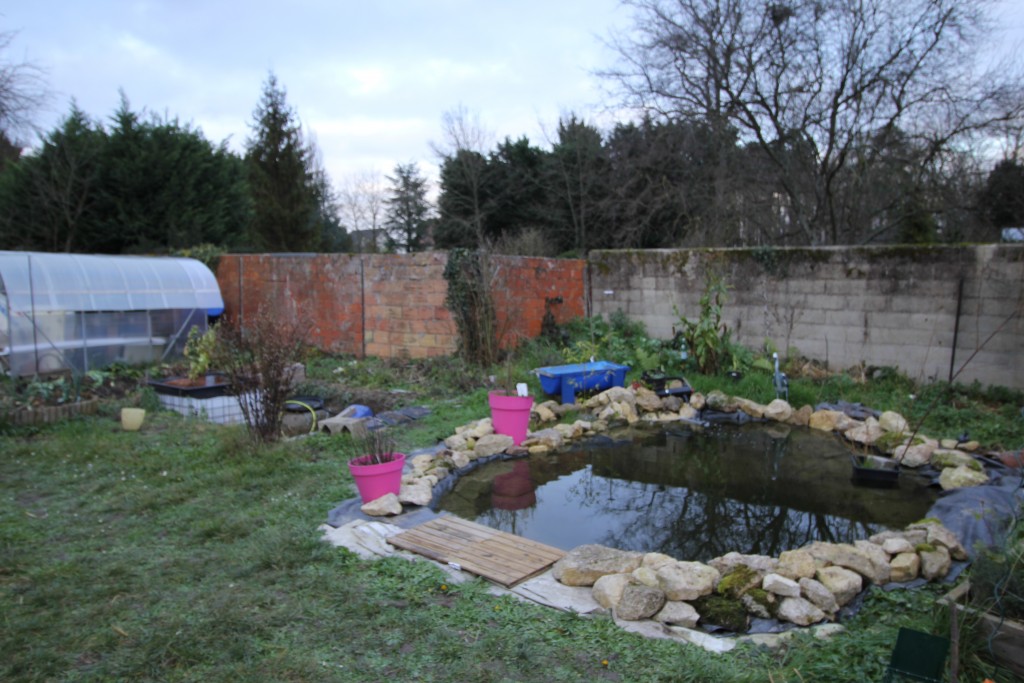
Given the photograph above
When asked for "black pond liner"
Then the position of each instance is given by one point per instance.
(977, 515)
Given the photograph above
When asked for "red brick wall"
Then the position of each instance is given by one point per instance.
(521, 286)
(324, 289)
(392, 304)
(404, 307)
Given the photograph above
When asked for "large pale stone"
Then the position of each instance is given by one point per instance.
(934, 563)
(910, 534)
(799, 611)
(481, 428)
(752, 408)
(778, 410)
(698, 400)
(647, 400)
(758, 608)
(937, 534)
(460, 458)
(944, 457)
(780, 585)
(842, 583)
(961, 477)
(825, 420)
(419, 493)
(422, 463)
(672, 403)
(569, 432)
(457, 442)
(891, 421)
(607, 590)
(656, 561)
(720, 401)
(385, 505)
(544, 414)
(761, 564)
(867, 433)
(549, 437)
(895, 546)
(613, 395)
(801, 417)
(645, 576)
(879, 560)
(688, 412)
(913, 456)
(639, 602)
(817, 593)
(796, 564)
(676, 613)
(687, 580)
(843, 555)
(585, 564)
(491, 444)
(904, 567)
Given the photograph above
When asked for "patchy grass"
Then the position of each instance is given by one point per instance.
(181, 553)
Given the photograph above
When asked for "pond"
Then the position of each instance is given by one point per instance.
(691, 494)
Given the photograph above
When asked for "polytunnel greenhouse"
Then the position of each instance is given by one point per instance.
(76, 312)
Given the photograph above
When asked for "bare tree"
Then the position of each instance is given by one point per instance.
(362, 206)
(811, 84)
(463, 154)
(23, 92)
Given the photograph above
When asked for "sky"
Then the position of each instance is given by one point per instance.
(369, 79)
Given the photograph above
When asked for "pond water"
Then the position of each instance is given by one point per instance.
(694, 495)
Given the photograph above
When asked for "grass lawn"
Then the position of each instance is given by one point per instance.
(183, 553)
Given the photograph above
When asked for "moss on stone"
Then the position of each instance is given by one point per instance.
(763, 598)
(890, 441)
(737, 582)
(727, 613)
(924, 548)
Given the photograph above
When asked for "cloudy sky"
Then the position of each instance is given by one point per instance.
(370, 79)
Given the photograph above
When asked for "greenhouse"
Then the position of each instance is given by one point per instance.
(76, 312)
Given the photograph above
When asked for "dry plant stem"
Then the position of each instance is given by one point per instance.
(377, 445)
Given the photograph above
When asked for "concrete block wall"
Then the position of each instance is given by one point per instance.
(883, 306)
(390, 305)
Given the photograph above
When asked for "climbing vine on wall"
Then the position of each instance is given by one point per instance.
(468, 274)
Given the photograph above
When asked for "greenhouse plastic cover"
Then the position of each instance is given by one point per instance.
(79, 282)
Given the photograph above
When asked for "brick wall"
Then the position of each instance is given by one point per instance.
(885, 306)
(391, 305)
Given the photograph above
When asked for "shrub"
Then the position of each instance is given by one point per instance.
(257, 358)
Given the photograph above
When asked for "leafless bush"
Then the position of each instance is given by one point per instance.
(257, 358)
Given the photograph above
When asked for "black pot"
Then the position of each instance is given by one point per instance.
(872, 470)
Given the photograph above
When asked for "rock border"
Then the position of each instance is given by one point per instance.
(803, 586)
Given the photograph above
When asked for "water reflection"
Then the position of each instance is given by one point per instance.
(692, 495)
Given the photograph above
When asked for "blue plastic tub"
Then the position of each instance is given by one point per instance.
(566, 380)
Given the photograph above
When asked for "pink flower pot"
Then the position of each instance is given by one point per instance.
(376, 480)
(510, 415)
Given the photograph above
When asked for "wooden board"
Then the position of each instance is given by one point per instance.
(497, 556)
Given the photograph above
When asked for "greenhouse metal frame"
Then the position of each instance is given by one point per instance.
(78, 312)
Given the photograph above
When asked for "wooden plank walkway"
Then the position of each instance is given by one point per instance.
(497, 556)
